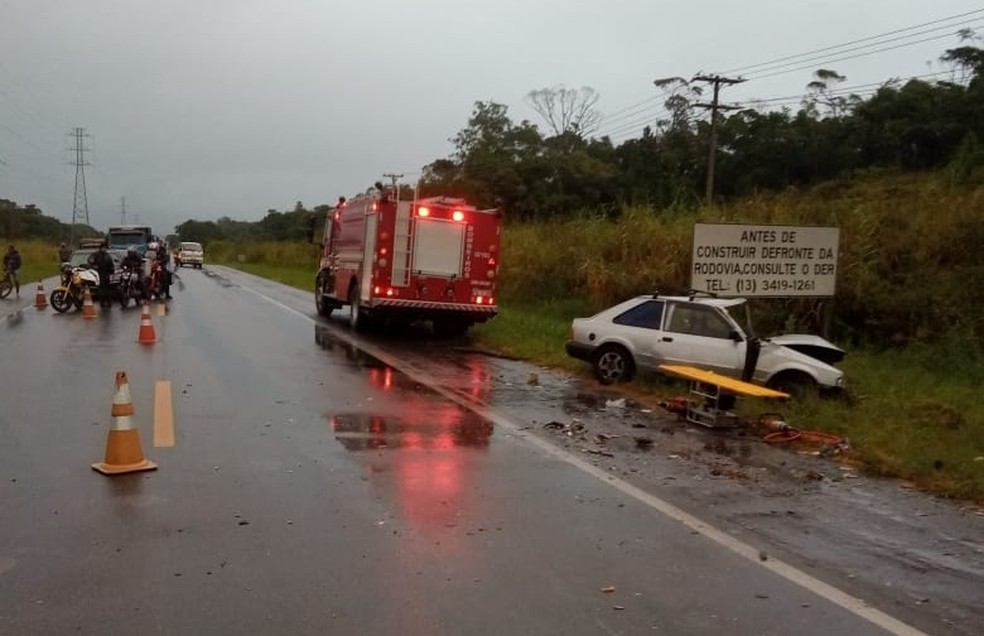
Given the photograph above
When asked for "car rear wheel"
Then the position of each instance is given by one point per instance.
(613, 363)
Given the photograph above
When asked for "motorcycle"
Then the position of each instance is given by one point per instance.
(154, 283)
(71, 292)
(129, 287)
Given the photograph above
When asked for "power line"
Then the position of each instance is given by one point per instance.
(615, 115)
(617, 121)
(852, 42)
(636, 124)
(812, 63)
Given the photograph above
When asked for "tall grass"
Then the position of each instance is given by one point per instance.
(39, 259)
(908, 264)
(281, 253)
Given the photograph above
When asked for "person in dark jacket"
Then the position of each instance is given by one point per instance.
(12, 263)
(104, 265)
(64, 254)
(164, 254)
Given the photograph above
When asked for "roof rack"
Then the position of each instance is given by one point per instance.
(693, 293)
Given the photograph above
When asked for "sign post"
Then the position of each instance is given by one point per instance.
(764, 260)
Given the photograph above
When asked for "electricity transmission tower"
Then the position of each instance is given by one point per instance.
(714, 107)
(80, 205)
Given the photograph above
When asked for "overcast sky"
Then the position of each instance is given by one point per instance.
(208, 108)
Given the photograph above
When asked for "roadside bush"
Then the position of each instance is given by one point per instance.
(909, 266)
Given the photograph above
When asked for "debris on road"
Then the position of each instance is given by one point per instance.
(594, 451)
(608, 589)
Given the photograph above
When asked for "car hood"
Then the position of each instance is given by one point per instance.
(811, 345)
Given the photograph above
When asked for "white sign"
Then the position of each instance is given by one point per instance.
(764, 260)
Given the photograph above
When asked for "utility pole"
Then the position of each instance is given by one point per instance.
(80, 204)
(122, 210)
(393, 177)
(714, 106)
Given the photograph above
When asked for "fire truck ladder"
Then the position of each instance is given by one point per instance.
(402, 241)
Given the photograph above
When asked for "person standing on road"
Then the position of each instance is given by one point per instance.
(64, 254)
(104, 265)
(12, 263)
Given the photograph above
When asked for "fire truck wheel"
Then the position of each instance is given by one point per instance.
(324, 307)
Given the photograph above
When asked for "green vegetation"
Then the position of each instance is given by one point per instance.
(290, 263)
(39, 260)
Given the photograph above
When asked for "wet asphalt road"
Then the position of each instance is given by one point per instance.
(314, 489)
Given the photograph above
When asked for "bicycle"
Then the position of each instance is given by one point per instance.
(6, 284)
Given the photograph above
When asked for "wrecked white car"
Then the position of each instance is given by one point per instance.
(707, 333)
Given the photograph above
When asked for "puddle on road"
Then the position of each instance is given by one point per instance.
(329, 342)
(15, 319)
(439, 427)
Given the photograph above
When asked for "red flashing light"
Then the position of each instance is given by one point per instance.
(423, 211)
(375, 289)
(458, 215)
(479, 300)
(390, 292)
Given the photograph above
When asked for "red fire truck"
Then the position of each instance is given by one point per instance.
(433, 259)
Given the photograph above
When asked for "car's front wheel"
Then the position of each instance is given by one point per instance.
(797, 384)
(613, 363)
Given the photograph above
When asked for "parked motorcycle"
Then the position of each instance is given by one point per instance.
(71, 292)
(130, 287)
(154, 282)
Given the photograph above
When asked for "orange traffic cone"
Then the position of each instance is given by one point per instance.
(88, 309)
(123, 453)
(147, 334)
(40, 302)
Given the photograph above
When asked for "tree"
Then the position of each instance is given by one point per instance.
(198, 231)
(567, 110)
(820, 93)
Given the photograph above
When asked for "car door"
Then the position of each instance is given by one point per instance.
(640, 325)
(700, 336)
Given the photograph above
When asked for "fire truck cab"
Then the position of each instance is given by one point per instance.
(433, 259)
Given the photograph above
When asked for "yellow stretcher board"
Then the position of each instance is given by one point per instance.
(722, 381)
(706, 388)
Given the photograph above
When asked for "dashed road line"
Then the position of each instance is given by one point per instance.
(163, 415)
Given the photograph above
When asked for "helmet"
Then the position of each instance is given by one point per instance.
(132, 252)
(153, 245)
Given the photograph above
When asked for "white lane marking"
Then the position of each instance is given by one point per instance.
(835, 595)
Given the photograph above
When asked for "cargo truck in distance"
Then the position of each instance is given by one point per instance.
(395, 262)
